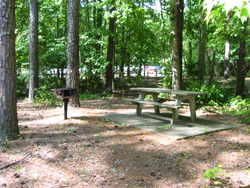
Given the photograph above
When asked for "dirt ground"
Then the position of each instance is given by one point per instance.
(89, 151)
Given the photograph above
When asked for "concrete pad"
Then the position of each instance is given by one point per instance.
(160, 124)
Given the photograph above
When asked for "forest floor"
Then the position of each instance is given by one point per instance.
(89, 151)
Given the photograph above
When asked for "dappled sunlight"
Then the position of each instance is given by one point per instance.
(90, 151)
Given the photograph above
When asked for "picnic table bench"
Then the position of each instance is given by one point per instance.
(174, 108)
(178, 95)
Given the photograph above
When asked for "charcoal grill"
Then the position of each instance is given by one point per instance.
(65, 94)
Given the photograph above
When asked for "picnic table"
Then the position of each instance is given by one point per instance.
(178, 95)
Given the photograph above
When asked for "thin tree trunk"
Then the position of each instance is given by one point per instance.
(227, 52)
(58, 36)
(33, 78)
(90, 64)
(8, 111)
(211, 72)
(241, 68)
(180, 17)
(73, 49)
(111, 53)
(227, 60)
(123, 52)
(202, 52)
(190, 58)
(128, 64)
(176, 13)
(164, 41)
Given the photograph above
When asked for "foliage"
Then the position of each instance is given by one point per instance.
(214, 174)
(240, 7)
(142, 38)
(163, 127)
(239, 107)
(51, 82)
(22, 83)
(87, 96)
(43, 95)
(218, 93)
(128, 82)
(94, 82)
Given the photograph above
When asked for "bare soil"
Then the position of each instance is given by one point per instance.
(89, 151)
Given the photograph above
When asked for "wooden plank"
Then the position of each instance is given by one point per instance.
(169, 91)
(152, 103)
(174, 108)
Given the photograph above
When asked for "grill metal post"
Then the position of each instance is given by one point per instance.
(65, 94)
(65, 104)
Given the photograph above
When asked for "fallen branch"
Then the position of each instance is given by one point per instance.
(11, 164)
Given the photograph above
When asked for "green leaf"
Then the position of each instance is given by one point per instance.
(244, 14)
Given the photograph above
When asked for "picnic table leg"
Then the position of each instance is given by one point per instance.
(175, 116)
(192, 108)
(139, 106)
(176, 112)
(155, 99)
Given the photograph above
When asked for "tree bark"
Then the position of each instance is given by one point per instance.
(202, 52)
(8, 111)
(227, 52)
(163, 41)
(33, 47)
(241, 68)
(111, 54)
(211, 72)
(123, 53)
(227, 60)
(176, 18)
(73, 50)
(180, 17)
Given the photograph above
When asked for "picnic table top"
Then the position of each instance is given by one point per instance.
(168, 91)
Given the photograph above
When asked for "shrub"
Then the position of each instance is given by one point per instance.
(22, 81)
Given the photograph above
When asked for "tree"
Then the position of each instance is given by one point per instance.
(241, 66)
(8, 112)
(202, 50)
(111, 52)
(33, 79)
(176, 17)
(73, 49)
(227, 52)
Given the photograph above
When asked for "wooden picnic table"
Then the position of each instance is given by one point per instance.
(178, 95)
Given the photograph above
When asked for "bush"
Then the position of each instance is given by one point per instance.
(93, 85)
(22, 81)
(43, 95)
(218, 93)
(87, 96)
(128, 82)
(51, 82)
(239, 107)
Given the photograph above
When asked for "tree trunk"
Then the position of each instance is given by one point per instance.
(111, 54)
(180, 17)
(128, 65)
(202, 52)
(211, 72)
(33, 79)
(163, 41)
(73, 49)
(8, 112)
(227, 52)
(241, 68)
(89, 64)
(176, 15)
(227, 60)
(123, 54)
